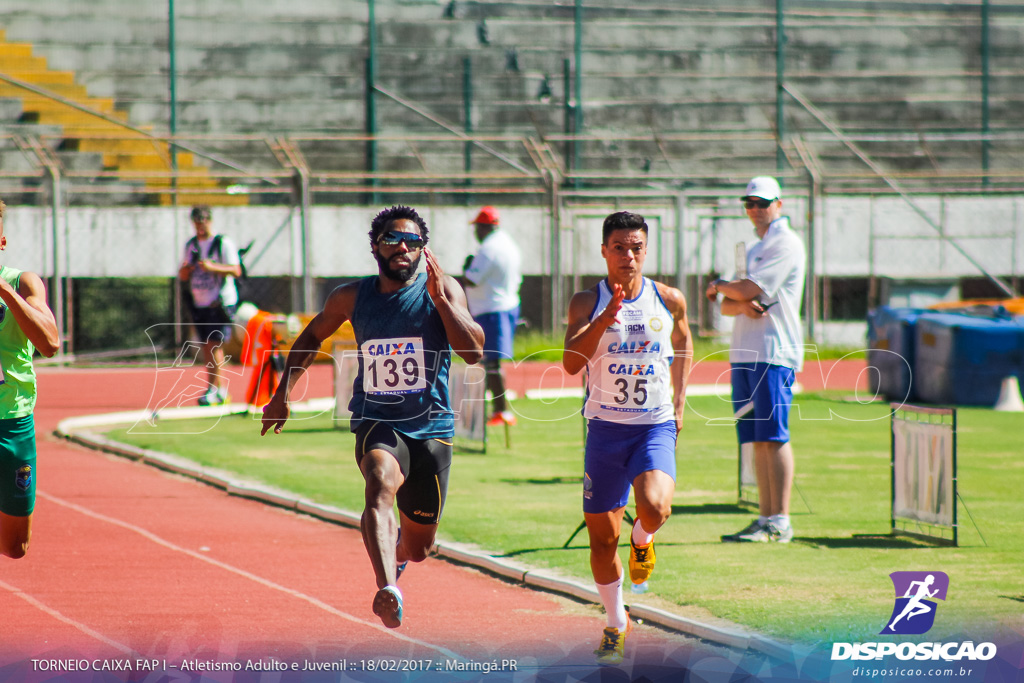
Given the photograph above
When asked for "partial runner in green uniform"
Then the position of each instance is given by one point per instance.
(26, 324)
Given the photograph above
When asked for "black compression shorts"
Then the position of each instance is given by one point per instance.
(424, 463)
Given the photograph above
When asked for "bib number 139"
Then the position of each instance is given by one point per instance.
(393, 366)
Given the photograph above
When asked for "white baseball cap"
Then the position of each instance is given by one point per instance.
(765, 187)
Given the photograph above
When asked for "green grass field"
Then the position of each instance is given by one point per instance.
(535, 345)
(830, 584)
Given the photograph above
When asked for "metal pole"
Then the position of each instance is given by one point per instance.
(578, 105)
(567, 150)
(173, 78)
(986, 53)
(58, 277)
(780, 78)
(307, 243)
(811, 281)
(467, 117)
(556, 254)
(681, 216)
(371, 105)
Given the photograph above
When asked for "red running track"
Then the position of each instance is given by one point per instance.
(129, 563)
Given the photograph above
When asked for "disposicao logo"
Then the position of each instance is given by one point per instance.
(916, 592)
(913, 614)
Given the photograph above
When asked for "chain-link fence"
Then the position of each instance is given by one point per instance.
(111, 270)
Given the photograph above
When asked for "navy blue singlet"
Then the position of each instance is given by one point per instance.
(404, 357)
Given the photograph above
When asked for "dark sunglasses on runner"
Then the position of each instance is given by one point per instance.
(393, 238)
(757, 203)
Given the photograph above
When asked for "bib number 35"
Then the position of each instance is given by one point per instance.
(631, 391)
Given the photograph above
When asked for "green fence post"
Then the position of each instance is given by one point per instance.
(578, 105)
(371, 104)
(467, 117)
(986, 53)
(780, 79)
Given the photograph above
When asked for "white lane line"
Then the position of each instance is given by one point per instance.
(249, 575)
(67, 620)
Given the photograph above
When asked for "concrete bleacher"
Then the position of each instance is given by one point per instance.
(85, 134)
(649, 69)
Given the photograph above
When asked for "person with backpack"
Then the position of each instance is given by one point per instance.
(210, 265)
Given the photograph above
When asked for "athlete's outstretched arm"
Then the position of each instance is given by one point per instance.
(583, 334)
(304, 351)
(465, 336)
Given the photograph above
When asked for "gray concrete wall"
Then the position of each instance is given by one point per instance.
(856, 237)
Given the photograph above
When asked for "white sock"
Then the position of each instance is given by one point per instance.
(640, 535)
(611, 598)
(781, 521)
(762, 520)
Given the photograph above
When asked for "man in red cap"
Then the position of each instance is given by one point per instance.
(493, 276)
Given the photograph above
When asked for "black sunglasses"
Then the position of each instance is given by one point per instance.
(757, 203)
(393, 238)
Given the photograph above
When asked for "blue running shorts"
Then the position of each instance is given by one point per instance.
(498, 330)
(616, 454)
(770, 387)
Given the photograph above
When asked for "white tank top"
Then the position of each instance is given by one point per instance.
(628, 379)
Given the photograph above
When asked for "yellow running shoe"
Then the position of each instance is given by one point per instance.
(641, 562)
(613, 645)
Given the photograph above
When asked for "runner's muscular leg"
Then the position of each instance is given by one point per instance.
(653, 491)
(383, 478)
(15, 533)
(417, 540)
(603, 529)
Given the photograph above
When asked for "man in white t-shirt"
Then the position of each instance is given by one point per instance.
(767, 351)
(493, 277)
(210, 265)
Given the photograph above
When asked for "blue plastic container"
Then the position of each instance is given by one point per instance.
(891, 352)
(962, 359)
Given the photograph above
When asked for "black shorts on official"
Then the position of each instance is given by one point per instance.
(424, 463)
(213, 323)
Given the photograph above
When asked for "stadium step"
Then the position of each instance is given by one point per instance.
(91, 127)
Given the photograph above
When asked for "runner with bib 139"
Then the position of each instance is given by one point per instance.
(406, 325)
